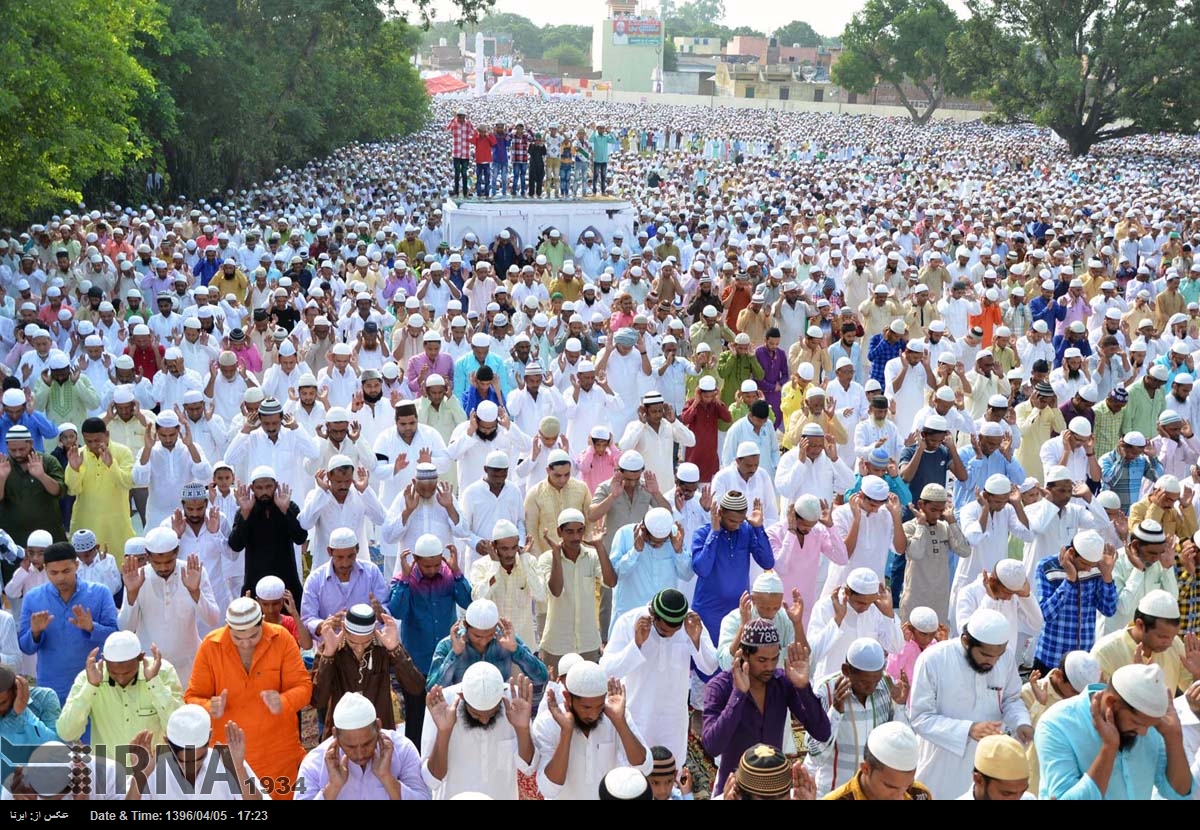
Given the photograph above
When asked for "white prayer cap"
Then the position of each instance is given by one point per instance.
(991, 429)
(659, 522)
(270, 588)
(1011, 574)
(428, 546)
(865, 654)
(924, 619)
(874, 487)
(990, 627)
(479, 340)
(254, 394)
(122, 646)
(161, 540)
(997, 485)
(487, 411)
(559, 456)
(504, 529)
(338, 461)
(189, 727)
(1134, 439)
(1057, 472)
(863, 581)
(262, 471)
(434, 380)
(587, 679)
(1159, 603)
(808, 507)
(122, 394)
(336, 415)
(192, 396)
(894, 745)
(167, 419)
(1082, 670)
(767, 582)
(688, 473)
(342, 538)
(631, 461)
(747, 449)
(570, 516)
(482, 683)
(1143, 687)
(1089, 544)
(468, 795)
(483, 613)
(1108, 500)
(496, 460)
(568, 660)
(354, 711)
(1168, 483)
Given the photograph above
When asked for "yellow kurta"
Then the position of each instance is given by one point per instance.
(102, 497)
(1036, 710)
(1036, 426)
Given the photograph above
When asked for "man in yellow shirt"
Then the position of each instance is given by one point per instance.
(566, 283)
(888, 771)
(231, 280)
(1152, 637)
(1038, 419)
(1077, 671)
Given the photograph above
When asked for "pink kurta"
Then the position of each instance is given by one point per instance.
(799, 563)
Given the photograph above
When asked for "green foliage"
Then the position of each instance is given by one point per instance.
(900, 42)
(670, 56)
(68, 86)
(799, 32)
(1091, 70)
(529, 39)
(566, 55)
(700, 18)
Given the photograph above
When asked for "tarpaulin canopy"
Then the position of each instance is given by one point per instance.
(443, 84)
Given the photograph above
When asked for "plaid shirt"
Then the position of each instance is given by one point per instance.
(1018, 318)
(1125, 477)
(462, 134)
(880, 352)
(834, 762)
(1189, 599)
(1107, 429)
(519, 147)
(1070, 609)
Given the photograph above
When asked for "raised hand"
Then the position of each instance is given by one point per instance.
(650, 482)
(795, 611)
(362, 479)
(38, 621)
(452, 558)
(804, 787)
(152, 664)
(614, 701)
(558, 710)
(216, 705)
(1103, 721)
(81, 618)
(841, 691)
(518, 707)
(839, 605)
(641, 630)
(235, 739)
(694, 626)
(706, 498)
(272, 700)
(741, 673)
(457, 641)
(639, 537)
(389, 634)
(508, 636)
(443, 496)
(1107, 561)
(797, 665)
(21, 696)
(283, 497)
(245, 500)
(91, 667)
(133, 577)
(900, 689)
(337, 767)
(1066, 559)
(191, 574)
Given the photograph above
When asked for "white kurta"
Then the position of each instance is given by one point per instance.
(165, 476)
(830, 641)
(470, 451)
(988, 545)
(286, 454)
(211, 436)
(527, 411)
(657, 446)
(428, 517)
(822, 478)
(870, 548)
(390, 446)
(1023, 613)
(947, 697)
(482, 509)
(760, 486)
(222, 565)
(656, 677)
(586, 410)
(1053, 529)
(593, 756)
(477, 760)
(322, 515)
(166, 615)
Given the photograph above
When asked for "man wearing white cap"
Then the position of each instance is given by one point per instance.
(860, 607)
(493, 742)
(965, 689)
(362, 761)
(988, 522)
(583, 734)
(656, 434)
(799, 540)
(62, 393)
(1115, 743)
(426, 506)
(648, 556)
(1071, 677)
(1074, 450)
(174, 380)
(168, 603)
(119, 693)
(1007, 589)
(199, 773)
(813, 466)
(1066, 508)
(1171, 503)
(209, 431)
(857, 698)
(274, 439)
(870, 525)
(1148, 565)
(1147, 400)
(486, 430)
(746, 475)
(399, 450)
(344, 578)
(509, 577)
(483, 636)
(267, 527)
(888, 769)
(342, 498)
(906, 381)
(626, 363)
(227, 386)
(934, 536)
(169, 459)
(1153, 637)
(1073, 587)
(575, 572)
(1002, 771)
(1176, 445)
(591, 402)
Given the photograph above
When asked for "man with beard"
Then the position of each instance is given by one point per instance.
(489, 749)
(433, 361)
(266, 528)
(964, 690)
(270, 438)
(509, 577)
(207, 428)
(343, 498)
(63, 393)
(360, 653)
(168, 604)
(1001, 771)
(30, 486)
(486, 430)
(426, 506)
(1070, 377)
(1123, 741)
(583, 733)
(167, 464)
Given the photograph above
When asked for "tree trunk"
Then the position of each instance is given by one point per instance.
(1079, 140)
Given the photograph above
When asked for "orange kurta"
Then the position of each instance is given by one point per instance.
(272, 741)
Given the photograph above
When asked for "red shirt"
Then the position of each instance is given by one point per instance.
(462, 134)
(483, 147)
(143, 360)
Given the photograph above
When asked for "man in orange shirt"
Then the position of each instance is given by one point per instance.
(251, 672)
(989, 317)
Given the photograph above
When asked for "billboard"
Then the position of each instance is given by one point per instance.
(637, 32)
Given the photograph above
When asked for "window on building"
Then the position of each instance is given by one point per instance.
(818, 95)
(749, 92)
(784, 92)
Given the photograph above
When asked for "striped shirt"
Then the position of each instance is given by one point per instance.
(1070, 609)
(833, 762)
(1106, 429)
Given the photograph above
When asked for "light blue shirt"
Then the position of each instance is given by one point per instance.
(642, 574)
(1067, 743)
(979, 470)
(765, 439)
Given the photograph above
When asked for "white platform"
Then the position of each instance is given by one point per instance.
(526, 219)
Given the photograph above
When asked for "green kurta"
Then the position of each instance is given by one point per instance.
(66, 403)
(1142, 411)
(26, 506)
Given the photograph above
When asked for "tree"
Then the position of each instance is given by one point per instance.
(898, 42)
(566, 55)
(798, 32)
(1090, 70)
(670, 59)
(68, 85)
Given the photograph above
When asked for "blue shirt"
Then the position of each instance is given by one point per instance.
(33, 727)
(1069, 609)
(63, 649)
(425, 610)
(325, 594)
(642, 574)
(472, 399)
(978, 471)
(465, 365)
(206, 269)
(39, 426)
(1067, 744)
(1061, 344)
(1125, 477)
(721, 560)
(880, 351)
(1049, 311)
(895, 484)
(448, 668)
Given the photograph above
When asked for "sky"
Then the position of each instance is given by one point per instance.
(827, 18)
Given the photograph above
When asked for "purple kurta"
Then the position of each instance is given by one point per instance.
(775, 374)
